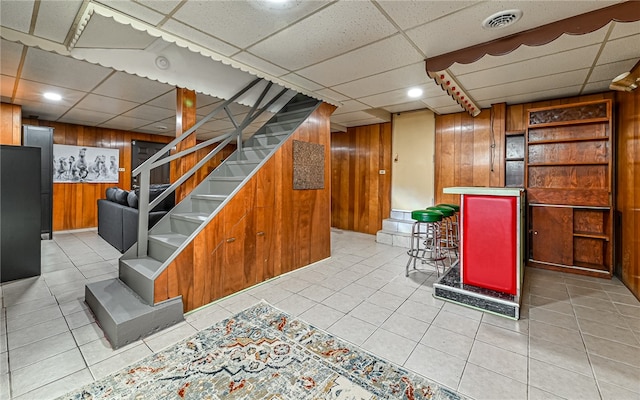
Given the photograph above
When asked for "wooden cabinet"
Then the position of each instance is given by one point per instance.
(569, 182)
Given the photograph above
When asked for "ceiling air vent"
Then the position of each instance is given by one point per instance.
(502, 19)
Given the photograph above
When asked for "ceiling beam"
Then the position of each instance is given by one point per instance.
(578, 25)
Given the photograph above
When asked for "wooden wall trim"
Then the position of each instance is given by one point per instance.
(295, 226)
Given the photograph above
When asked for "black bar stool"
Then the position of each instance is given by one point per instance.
(449, 243)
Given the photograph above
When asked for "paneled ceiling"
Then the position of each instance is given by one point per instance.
(361, 55)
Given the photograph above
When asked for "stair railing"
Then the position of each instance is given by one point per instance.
(144, 170)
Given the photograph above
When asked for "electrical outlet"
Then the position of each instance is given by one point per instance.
(382, 172)
(121, 169)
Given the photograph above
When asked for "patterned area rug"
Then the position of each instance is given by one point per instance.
(263, 353)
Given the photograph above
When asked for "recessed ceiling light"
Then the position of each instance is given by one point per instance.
(502, 19)
(415, 92)
(52, 96)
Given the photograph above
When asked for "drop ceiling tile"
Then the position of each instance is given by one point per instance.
(55, 19)
(164, 127)
(106, 33)
(350, 106)
(332, 94)
(399, 96)
(363, 122)
(621, 49)
(410, 106)
(596, 87)
(132, 88)
(17, 15)
(403, 77)
(124, 123)
(449, 109)
(10, 54)
(136, 10)
(163, 7)
(6, 86)
(537, 96)
(48, 112)
(34, 91)
(203, 100)
(385, 55)
(86, 117)
(301, 81)
(241, 23)
(57, 70)
(548, 65)
(352, 116)
(193, 35)
(218, 125)
(104, 104)
(408, 14)
(5, 99)
(443, 100)
(149, 113)
(338, 28)
(621, 29)
(259, 64)
(562, 44)
(565, 79)
(167, 100)
(607, 72)
(464, 28)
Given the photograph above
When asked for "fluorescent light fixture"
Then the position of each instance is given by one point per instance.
(52, 96)
(415, 92)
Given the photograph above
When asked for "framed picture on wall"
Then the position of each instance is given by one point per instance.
(77, 164)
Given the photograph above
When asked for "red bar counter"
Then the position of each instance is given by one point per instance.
(491, 237)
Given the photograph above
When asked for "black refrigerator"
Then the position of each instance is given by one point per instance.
(20, 207)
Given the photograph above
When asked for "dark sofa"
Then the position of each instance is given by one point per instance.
(118, 214)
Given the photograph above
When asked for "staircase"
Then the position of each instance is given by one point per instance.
(125, 306)
(396, 230)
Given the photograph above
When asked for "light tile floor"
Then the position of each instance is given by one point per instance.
(579, 337)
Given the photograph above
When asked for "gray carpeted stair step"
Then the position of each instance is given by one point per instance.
(124, 316)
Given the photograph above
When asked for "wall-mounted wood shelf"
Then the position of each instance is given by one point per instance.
(569, 140)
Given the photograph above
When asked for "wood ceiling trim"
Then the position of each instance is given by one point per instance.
(578, 25)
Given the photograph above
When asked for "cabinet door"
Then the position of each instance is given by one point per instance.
(552, 235)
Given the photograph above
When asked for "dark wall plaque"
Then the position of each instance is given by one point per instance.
(308, 165)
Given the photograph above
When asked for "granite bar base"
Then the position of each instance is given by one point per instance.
(450, 288)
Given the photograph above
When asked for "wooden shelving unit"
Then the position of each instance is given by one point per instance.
(514, 159)
(568, 175)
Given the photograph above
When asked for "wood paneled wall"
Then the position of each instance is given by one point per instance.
(628, 194)
(361, 196)
(75, 204)
(469, 151)
(10, 124)
(265, 230)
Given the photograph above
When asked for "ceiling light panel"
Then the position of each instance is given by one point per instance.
(336, 29)
(33, 91)
(406, 76)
